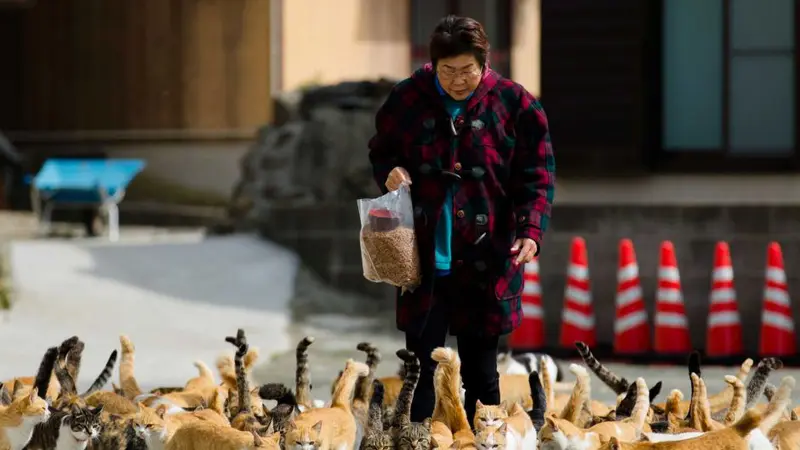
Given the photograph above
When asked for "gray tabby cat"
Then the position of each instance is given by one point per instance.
(67, 430)
(376, 438)
(409, 435)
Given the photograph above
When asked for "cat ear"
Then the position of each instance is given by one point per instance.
(32, 395)
(506, 405)
(96, 411)
(478, 404)
(613, 443)
(74, 409)
(552, 423)
(502, 429)
(317, 427)
(141, 406)
(161, 410)
(427, 423)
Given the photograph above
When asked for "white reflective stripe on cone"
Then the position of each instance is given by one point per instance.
(531, 311)
(724, 318)
(722, 274)
(723, 295)
(532, 266)
(577, 319)
(776, 275)
(580, 273)
(627, 273)
(777, 296)
(630, 295)
(778, 321)
(669, 295)
(674, 320)
(578, 295)
(532, 288)
(630, 321)
(669, 274)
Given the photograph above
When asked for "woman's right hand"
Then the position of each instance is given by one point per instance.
(397, 177)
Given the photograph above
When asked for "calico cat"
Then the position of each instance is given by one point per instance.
(18, 420)
(328, 428)
(67, 430)
(409, 435)
(375, 437)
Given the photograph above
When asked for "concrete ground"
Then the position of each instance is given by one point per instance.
(178, 293)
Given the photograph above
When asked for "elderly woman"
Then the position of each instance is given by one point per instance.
(475, 150)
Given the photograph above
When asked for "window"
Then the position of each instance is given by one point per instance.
(495, 15)
(729, 81)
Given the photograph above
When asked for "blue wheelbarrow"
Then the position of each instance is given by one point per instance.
(82, 183)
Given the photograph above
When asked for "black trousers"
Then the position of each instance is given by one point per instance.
(478, 358)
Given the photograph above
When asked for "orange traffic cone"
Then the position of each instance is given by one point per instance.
(724, 334)
(777, 324)
(577, 318)
(529, 335)
(631, 335)
(671, 324)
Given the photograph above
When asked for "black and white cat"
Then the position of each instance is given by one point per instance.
(67, 430)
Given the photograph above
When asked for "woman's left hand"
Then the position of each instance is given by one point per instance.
(527, 248)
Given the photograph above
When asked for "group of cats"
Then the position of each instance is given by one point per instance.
(538, 410)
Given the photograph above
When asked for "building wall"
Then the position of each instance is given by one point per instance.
(332, 41)
(179, 65)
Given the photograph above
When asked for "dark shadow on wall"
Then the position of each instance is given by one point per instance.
(383, 21)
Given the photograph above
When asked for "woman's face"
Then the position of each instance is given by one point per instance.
(459, 75)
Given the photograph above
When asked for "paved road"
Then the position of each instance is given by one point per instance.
(176, 294)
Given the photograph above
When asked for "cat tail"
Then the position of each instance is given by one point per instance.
(343, 393)
(45, 372)
(642, 404)
(447, 382)
(755, 387)
(69, 350)
(242, 390)
(365, 383)
(402, 406)
(302, 374)
(375, 420)
(777, 406)
(539, 400)
(736, 408)
(547, 384)
(581, 394)
(127, 379)
(617, 384)
(278, 392)
(225, 367)
(104, 375)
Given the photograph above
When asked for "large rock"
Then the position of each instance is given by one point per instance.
(315, 151)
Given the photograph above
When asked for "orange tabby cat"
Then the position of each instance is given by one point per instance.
(157, 427)
(18, 419)
(517, 428)
(331, 428)
(730, 438)
(449, 416)
(212, 436)
(736, 409)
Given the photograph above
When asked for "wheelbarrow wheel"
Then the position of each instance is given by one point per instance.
(93, 222)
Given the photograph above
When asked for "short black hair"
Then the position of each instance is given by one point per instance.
(455, 35)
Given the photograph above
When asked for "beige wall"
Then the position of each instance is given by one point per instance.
(330, 41)
(525, 40)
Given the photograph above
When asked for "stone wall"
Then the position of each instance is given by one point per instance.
(326, 238)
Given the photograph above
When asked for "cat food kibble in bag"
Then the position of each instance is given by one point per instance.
(388, 243)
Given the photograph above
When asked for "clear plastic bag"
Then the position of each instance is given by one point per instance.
(388, 242)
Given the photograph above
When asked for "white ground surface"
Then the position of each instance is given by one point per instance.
(177, 295)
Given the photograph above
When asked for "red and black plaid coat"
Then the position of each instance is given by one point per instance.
(499, 160)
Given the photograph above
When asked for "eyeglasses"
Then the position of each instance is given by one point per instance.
(451, 74)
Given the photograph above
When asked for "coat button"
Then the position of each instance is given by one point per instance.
(460, 213)
(457, 166)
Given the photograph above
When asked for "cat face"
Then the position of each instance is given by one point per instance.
(489, 415)
(491, 438)
(415, 436)
(32, 408)
(85, 423)
(303, 437)
(551, 437)
(378, 441)
(148, 423)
